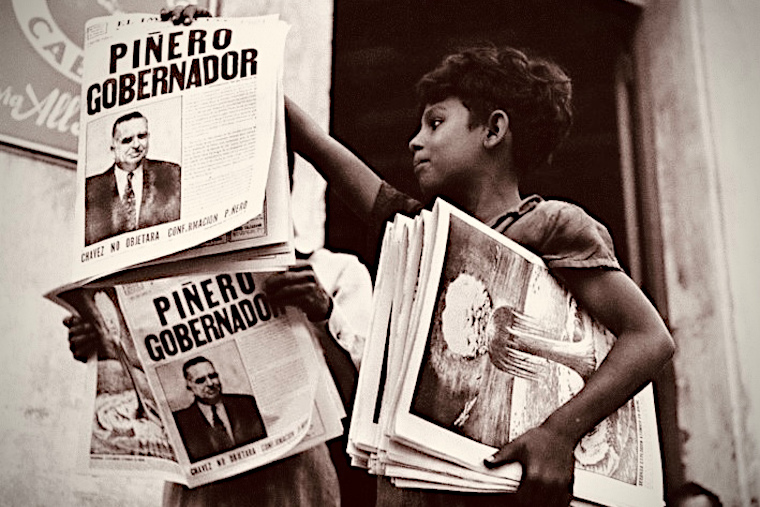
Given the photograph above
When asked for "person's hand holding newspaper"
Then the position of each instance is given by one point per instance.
(84, 339)
(184, 14)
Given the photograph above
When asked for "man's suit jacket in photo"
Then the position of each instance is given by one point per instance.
(198, 434)
(105, 213)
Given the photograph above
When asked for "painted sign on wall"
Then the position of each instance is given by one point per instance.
(41, 68)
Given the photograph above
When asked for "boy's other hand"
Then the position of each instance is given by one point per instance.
(84, 339)
(184, 15)
(299, 287)
(547, 461)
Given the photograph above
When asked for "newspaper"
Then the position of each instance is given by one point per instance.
(174, 346)
(200, 110)
(472, 343)
(264, 243)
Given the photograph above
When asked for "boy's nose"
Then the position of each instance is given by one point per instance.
(415, 143)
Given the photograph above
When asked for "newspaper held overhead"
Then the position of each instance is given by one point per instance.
(177, 350)
(264, 243)
(471, 344)
(177, 129)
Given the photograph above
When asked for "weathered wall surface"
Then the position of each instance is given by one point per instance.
(699, 72)
(43, 387)
(43, 397)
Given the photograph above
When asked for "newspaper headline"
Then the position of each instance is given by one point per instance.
(206, 311)
(162, 79)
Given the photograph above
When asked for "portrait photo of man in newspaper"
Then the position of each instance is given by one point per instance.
(135, 192)
(215, 422)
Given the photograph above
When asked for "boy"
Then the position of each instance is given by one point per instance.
(490, 117)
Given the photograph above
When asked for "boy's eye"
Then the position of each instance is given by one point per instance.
(434, 124)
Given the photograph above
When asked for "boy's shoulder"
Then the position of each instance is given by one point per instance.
(557, 216)
(544, 217)
(564, 235)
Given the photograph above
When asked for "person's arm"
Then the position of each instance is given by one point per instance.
(347, 174)
(352, 296)
(342, 367)
(299, 287)
(642, 347)
(351, 178)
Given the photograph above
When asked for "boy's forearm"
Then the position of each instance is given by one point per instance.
(351, 178)
(631, 364)
(642, 347)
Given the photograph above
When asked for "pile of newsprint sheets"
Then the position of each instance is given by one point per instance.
(473, 342)
(178, 300)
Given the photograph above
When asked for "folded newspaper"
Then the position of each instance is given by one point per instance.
(472, 343)
(182, 138)
(173, 348)
(183, 207)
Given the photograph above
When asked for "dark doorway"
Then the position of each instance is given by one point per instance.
(381, 48)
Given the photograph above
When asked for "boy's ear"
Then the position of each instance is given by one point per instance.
(497, 128)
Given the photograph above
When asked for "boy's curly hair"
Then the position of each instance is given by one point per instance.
(534, 92)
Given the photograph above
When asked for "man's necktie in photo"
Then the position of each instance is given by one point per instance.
(130, 205)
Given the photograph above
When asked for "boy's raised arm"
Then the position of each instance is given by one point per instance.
(352, 179)
(347, 174)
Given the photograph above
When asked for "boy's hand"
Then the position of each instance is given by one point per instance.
(299, 287)
(184, 15)
(84, 339)
(547, 461)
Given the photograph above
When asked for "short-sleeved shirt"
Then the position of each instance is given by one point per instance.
(563, 235)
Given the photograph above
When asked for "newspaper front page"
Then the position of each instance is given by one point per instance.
(492, 346)
(173, 348)
(264, 243)
(194, 110)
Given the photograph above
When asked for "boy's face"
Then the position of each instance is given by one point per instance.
(446, 150)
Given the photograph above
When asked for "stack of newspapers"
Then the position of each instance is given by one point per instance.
(169, 261)
(472, 343)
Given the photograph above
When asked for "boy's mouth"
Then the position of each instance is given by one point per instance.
(418, 163)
